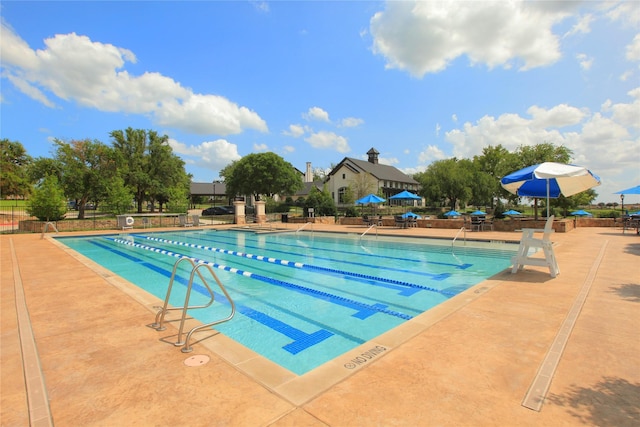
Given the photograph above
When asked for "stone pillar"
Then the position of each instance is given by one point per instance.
(261, 212)
(240, 217)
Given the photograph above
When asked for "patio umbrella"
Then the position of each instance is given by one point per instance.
(411, 214)
(478, 212)
(405, 195)
(581, 213)
(632, 190)
(550, 180)
(370, 198)
(452, 213)
(511, 212)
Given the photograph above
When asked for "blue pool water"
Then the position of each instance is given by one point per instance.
(301, 299)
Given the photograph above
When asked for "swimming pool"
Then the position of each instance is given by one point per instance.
(301, 299)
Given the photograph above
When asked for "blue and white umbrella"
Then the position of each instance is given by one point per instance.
(511, 212)
(549, 180)
(581, 213)
(452, 213)
(478, 213)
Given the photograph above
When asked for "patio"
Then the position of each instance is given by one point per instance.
(93, 362)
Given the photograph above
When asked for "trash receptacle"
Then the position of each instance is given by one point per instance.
(285, 218)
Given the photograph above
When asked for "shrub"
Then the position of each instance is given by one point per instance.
(48, 202)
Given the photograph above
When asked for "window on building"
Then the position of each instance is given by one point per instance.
(344, 176)
(341, 192)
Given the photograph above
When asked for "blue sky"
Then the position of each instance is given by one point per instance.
(316, 81)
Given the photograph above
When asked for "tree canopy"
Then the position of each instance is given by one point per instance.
(148, 166)
(261, 174)
(14, 179)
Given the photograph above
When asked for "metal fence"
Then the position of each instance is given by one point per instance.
(15, 219)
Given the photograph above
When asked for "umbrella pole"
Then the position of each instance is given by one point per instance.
(547, 197)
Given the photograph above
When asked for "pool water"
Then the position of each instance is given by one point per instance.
(301, 299)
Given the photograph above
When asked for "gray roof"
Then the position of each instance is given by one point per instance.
(307, 188)
(206, 188)
(381, 172)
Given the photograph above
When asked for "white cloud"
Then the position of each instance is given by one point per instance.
(583, 26)
(426, 36)
(626, 75)
(295, 131)
(389, 161)
(633, 49)
(602, 141)
(351, 122)
(431, 154)
(260, 147)
(316, 113)
(562, 115)
(212, 155)
(329, 140)
(288, 149)
(260, 6)
(92, 74)
(584, 61)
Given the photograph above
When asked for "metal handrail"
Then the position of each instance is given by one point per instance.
(45, 227)
(187, 348)
(457, 234)
(158, 324)
(367, 230)
(304, 225)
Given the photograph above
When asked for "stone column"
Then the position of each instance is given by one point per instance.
(240, 217)
(261, 212)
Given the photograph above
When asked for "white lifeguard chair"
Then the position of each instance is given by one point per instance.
(529, 241)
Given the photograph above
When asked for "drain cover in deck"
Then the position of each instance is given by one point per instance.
(197, 360)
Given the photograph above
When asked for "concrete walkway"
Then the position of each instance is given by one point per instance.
(75, 351)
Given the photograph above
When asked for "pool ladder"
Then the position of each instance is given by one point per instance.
(158, 325)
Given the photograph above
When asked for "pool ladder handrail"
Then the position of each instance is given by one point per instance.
(463, 229)
(304, 225)
(160, 315)
(368, 229)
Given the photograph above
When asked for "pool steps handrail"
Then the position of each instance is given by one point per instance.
(304, 225)
(370, 227)
(462, 229)
(160, 315)
(46, 226)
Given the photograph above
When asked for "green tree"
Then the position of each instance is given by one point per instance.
(177, 199)
(118, 197)
(447, 181)
(147, 164)
(14, 162)
(321, 202)
(261, 174)
(48, 202)
(493, 164)
(87, 170)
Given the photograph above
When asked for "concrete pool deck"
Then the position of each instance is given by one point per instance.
(92, 361)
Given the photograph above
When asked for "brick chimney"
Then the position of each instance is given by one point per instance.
(308, 175)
